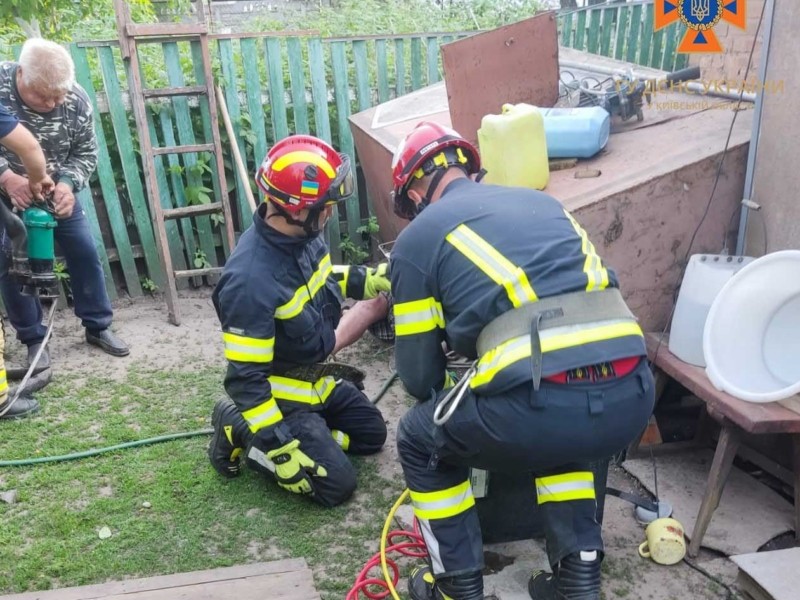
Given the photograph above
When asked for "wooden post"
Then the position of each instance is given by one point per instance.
(237, 157)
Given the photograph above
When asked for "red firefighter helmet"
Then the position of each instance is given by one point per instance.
(302, 171)
(428, 147)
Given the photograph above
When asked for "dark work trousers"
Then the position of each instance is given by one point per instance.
(347, 422)
(555, 433)
(86, 279)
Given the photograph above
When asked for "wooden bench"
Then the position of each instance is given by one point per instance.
(735, 418)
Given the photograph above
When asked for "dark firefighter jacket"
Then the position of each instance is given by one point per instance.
(279, 301)
(473, 255)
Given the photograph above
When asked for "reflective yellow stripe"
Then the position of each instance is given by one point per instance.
(596, 273)
(418, 316)
(297, 156)
(296, 390)
(341, 438)
(444, 503)
(495, 265)
(344, 273)
(263, 415)
(247, 349)
(307, 291)
(3, 382)
(557, 338)
(563, 488)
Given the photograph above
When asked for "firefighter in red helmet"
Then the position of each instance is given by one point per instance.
(507, 278)
(279, 303)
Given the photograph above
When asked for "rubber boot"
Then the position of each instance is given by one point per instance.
(23, 407)
(230, 438)
(576, 577)
(422, 586)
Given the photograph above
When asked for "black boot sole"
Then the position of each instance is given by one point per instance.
(225, 470)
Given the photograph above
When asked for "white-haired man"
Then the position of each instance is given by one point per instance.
(42, 93)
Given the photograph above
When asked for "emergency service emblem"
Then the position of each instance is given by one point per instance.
(700, 17)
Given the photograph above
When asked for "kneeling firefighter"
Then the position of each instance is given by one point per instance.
(279, 301)
(507, 277)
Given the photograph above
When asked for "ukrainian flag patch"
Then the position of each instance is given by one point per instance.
(309, 188)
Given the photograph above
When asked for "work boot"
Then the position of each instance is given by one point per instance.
(44, 359)
(230, 438)
(422, 586)
(23, 407)
(576, 577)
(108, 342)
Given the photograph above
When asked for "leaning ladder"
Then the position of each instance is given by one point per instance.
(130, 34)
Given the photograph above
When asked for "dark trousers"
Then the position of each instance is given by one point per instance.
(346, 411)
(555, 434)
(86, 278)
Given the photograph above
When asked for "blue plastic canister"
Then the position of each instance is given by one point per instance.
(576, 132)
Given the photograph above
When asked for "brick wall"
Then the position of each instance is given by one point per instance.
(736, 44)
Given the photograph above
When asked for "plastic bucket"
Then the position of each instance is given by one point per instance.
(751, 340)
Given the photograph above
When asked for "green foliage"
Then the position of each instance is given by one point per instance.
(363, 17)
(71, 20)
(201, 260)
(149, 285)
(359, 251)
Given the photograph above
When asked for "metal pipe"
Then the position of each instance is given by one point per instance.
(756, 135)
(691, 85)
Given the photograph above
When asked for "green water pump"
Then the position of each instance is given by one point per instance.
(34, 272)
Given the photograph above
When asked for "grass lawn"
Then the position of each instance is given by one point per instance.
(195, 519)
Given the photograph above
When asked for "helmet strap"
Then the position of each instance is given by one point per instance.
(309, 225)
(438, 174)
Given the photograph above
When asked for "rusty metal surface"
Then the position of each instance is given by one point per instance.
(511, 64)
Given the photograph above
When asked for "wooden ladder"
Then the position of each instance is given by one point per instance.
(130, 34)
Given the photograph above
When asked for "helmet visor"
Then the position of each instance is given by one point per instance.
(343, 186)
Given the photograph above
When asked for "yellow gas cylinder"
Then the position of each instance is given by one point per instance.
(514, 148)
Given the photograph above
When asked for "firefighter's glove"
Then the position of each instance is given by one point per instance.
(377, 281)
(294, 469)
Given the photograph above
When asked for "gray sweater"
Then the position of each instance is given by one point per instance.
(66, 134)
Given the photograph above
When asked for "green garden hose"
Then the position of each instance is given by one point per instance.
(24, 462)
(64, 457)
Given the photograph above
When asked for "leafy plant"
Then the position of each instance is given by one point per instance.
(60, 271)
(149, 285)
(352, 252)
(201, 260)
(217, 219)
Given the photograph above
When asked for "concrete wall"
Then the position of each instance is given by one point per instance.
(736, 43)
(777, 176)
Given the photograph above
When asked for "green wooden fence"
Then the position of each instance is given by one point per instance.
(625, 32)
(274, 85)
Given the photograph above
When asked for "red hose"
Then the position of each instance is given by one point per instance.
(375, 588)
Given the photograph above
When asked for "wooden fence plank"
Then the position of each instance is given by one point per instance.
(255, 105)
(364, 94)
(579, 42)
(277, 91)
(633, 35)
(108, 186)
(234, 110)
(399, 67)
(178, 189)
(341, 92)
(298, 83)
(647, 36)
(319, 89)
(606, 29)
(84, 198)
(133, 182)
(322, 123)
(622, 26)
(566, 28)
(383, 70)
(416, 63)
(594, 30)
(432, 58)
(173, 234)
(670, 33)
(183, 120)
(657, 55)
(208, 136)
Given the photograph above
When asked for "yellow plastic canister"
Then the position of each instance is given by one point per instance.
(513, 147)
